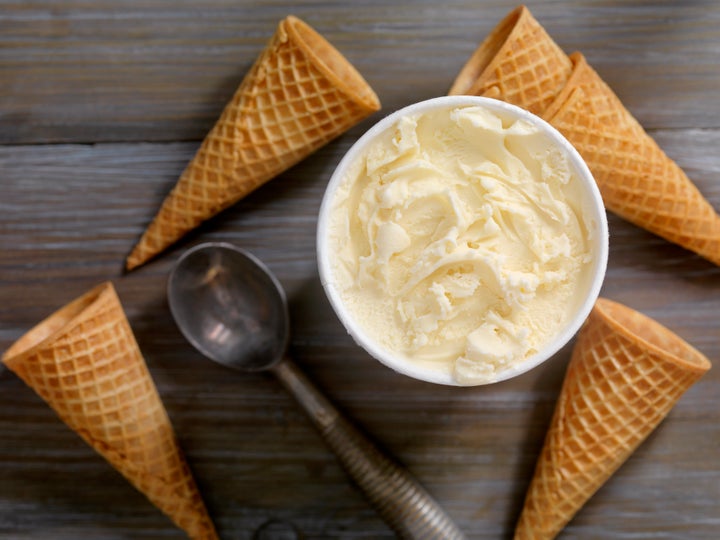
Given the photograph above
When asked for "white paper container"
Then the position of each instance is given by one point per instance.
(600, 247)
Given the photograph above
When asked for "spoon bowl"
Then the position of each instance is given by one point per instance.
(228, 304)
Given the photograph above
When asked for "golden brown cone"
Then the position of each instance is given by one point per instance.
(300, 94)
(518, 63)
(626, 373)
(84, 362)
(637, 180)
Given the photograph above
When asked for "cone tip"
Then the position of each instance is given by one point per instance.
(139, 254)
(131, 262)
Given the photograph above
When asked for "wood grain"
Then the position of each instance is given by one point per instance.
(141, 70)
(126, 90)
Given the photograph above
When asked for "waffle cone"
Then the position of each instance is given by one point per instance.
(300, 94)
(636, 179)
(85, 363)
(518, 62)
(626, 373)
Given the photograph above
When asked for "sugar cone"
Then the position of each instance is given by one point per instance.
(85, 363)
(300, 94)
(626, 373)
(518, 63)
(637, 180)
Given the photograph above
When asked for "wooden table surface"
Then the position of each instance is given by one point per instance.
(103, 102)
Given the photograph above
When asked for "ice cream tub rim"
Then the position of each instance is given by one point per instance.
(600, 247)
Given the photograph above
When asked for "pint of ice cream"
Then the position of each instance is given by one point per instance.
(461, 241)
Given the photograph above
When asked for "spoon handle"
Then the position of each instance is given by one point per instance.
(399, 499)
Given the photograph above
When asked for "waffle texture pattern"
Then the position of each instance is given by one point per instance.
(300, 94)
(521, 64)
(638, 181)
(85, 363)
(518, 63)
(626, 373)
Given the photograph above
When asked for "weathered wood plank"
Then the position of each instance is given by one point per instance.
(69, 214)
(145, 70)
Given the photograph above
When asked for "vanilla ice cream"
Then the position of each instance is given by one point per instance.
(459, 240)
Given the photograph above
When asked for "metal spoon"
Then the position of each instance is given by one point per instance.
(233, 310)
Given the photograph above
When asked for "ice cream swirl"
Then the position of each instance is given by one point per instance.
(460, 241)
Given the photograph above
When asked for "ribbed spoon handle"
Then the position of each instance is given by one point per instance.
(401, 501)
